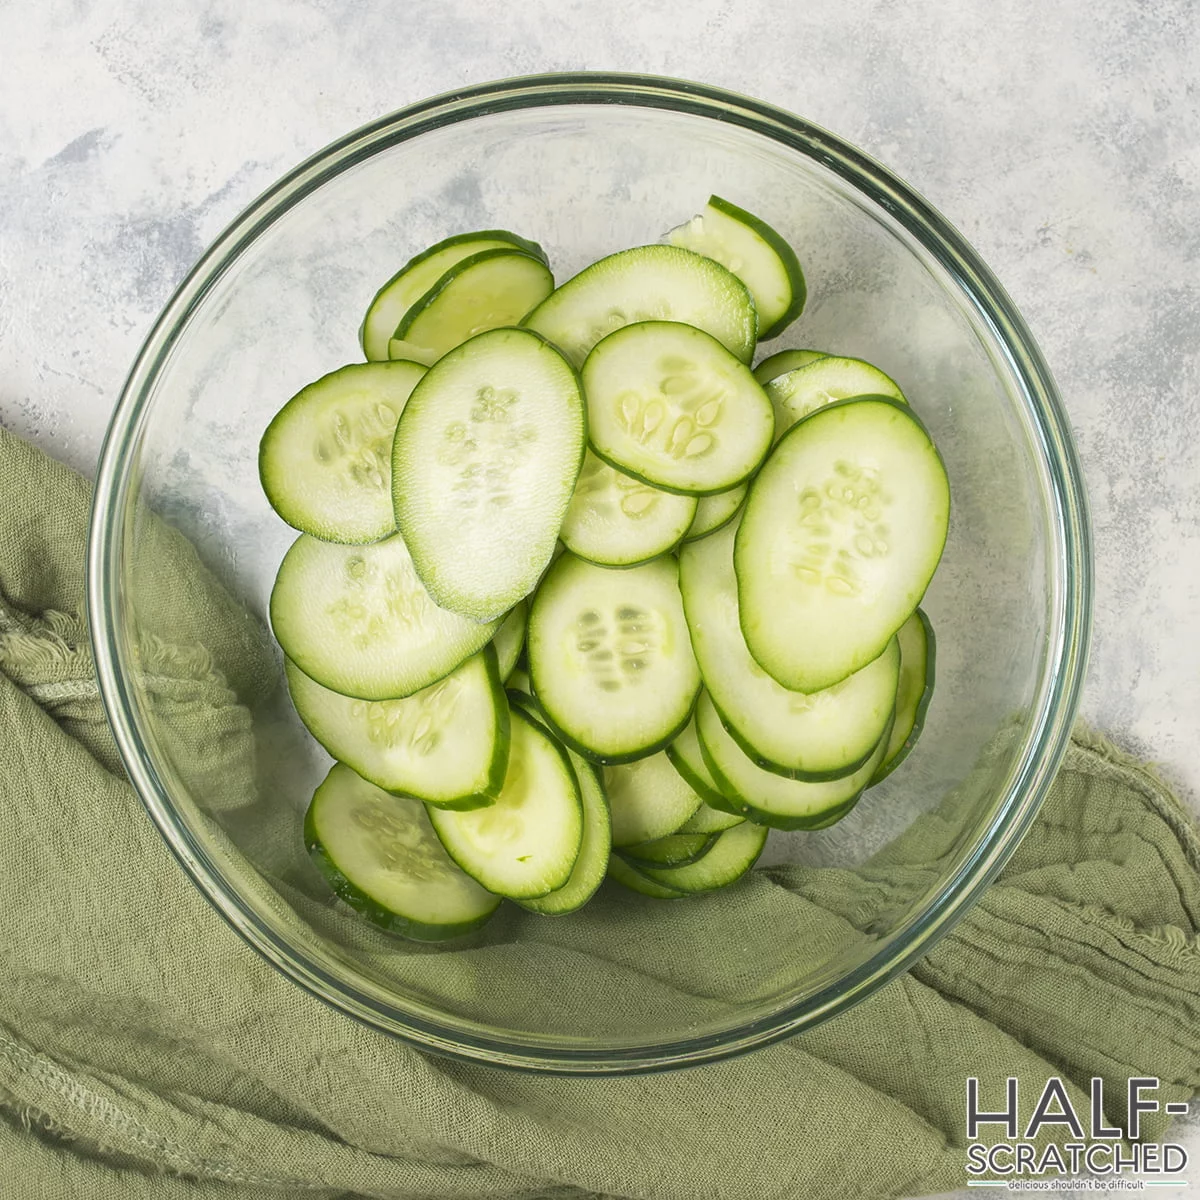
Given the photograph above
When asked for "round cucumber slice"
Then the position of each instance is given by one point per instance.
(715, 512)
(669, 404)
(617, 521)
(784, 361)
(803, 390)
(918, 653)
(527, 842)
(648, 283)
(483, 467)
(839, 538)
(446, 744)
(610, 657)
(359, 620)
(380, 855)
(731, 855)
(648, 799)
(325, 461)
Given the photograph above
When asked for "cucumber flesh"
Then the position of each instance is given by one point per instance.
(486, 291)
(609, 657)
(380, 855)
(446, 744)
(648, 799)
(618, 521)
(629, 876)
(325, 461)
(818, 735)
(526, 843)
(483, 467)
(716, 511)
(913, 693)
(647, 283)
(839, 538)
(510, 639)
(731, 855)
(803, 390)
(669, 404)
(358, 620)
(784, 361)
(421, 273)
(755, 253)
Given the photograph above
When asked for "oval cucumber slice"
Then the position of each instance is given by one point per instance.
(714, 512)
(816, 735)
(325, 461)
(446, 744)
(526, 843)
(755, 253)
(669, 404)
(783, 361)
(510, 639)
(610, 658)
(647, 283)
(770, 799)
(419, 275)
(617, 521)
(914, 691)
(802, 391)
(731, 855)
(629, 876)
(483, 467)
(358, 620)
(380, 855)
(486, 291)
(839, 537)
(648, 799)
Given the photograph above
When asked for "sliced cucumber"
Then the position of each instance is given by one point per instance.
(648, 799)
(359, 620)
(673, 850)
(707, 819)
(518, 681)
(446, 744)
(419, 275)
(486, 291)
(770, 799)
(818, 735)
(629, 876)
(647, 283)
(801, 391)
(527, 842)
(918, 652)
(380, 855)
(483, 467)
(325, 461)
(714, 512)
(687, 757)
(784, 361)
(617, 521)
(610, 658)
(755, 253)
(669, 404)
(839, 537)
(731, 855)
(510, 639)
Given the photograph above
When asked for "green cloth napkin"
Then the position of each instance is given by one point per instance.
(146, 1051)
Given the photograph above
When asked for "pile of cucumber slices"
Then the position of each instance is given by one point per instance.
(579, 593)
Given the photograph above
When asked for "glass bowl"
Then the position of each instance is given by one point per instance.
(587, 164)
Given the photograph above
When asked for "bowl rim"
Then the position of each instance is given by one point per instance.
(1069, 563)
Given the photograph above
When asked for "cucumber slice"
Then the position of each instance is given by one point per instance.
(840, 535)
(687, 758)
(630, 877)
(673, 850)
(590, 867)
(770, 799)
(379, 854)
(799, 392)
(486, 291)
(647, 283)
(526, 843)
(669, 404)
(648, 799)
(714, 512)
(325, 461)
(918, 652)
(359, 620)
(610, 658)
(483, 467)
(707, 819)
(615, 520)
(510, 639)
(755, 253)
(819, 735)
(446, 744)
(784, 361)
(421, 273)
(732, 854)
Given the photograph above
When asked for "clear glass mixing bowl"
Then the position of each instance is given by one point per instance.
(587, 164)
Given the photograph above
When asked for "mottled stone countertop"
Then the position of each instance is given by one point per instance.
(1062, 139)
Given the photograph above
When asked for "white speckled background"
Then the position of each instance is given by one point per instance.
(1062, 139)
